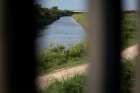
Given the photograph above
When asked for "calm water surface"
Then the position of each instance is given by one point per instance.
(65, 31)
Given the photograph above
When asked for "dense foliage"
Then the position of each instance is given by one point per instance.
(45, 16)
(59, 57)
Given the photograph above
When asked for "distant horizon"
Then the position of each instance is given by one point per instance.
(65, 4)
(80, 5)
(65, 9)
(87, 9)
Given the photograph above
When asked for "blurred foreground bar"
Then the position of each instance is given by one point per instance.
(137, 66)
(105, 45)
(21, 46)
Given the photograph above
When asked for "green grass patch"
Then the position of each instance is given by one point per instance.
(128, 29)
(59, 57)
(81, 18)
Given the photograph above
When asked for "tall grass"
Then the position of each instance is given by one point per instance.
(59, 57)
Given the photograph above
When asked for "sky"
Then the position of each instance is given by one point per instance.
(80, 4)
(65, 4)
(129, 4)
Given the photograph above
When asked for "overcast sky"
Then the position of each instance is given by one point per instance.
(80, 4)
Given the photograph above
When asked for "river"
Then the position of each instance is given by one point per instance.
(65, 31)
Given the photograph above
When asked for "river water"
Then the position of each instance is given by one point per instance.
(65, 31)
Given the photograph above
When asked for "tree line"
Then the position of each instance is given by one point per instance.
(45, 16)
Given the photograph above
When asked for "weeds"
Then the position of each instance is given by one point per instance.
(59, 57)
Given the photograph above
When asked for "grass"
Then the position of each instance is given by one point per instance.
(78, 83)
(75, 84)
(59, 57)
(128, 39)
(128, 29)
(127, 76)
(82, 19)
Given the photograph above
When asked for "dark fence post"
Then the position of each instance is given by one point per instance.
(105, 46)
(20, 46)
(112, 45)
(137, 66)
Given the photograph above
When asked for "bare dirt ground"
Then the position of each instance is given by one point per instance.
(131, 52)
(45, 80)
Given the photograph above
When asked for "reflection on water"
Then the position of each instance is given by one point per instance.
(65, 31)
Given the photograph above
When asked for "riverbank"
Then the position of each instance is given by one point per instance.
(127, 66)
(65, 31)
(70, 33)
(81, 19)
(46, 16)
(128, 26)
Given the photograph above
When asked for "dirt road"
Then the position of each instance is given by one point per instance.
(43, 81)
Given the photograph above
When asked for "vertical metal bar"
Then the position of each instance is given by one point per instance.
(21, 47)
(95, 43)
(105, 46)
(2, 52)
(112, 48)
(137, 66)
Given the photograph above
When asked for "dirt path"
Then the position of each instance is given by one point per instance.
(43, 81)
(131, 52)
